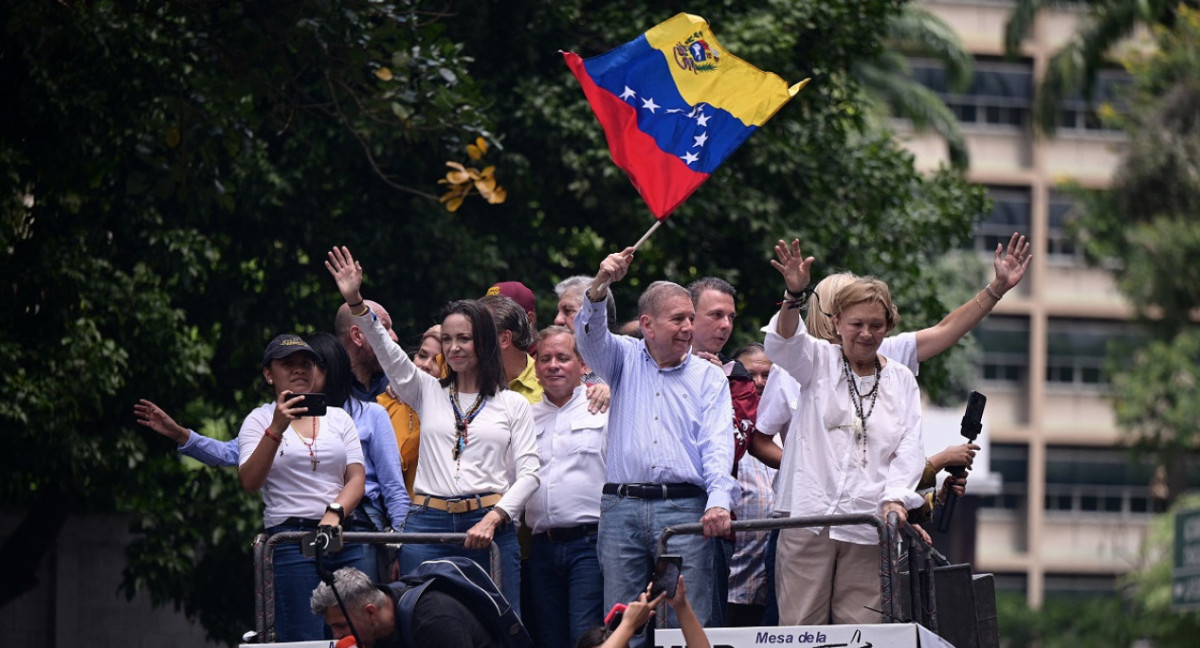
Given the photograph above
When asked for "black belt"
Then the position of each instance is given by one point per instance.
(302, 522)
(654, 491)
(567, 534)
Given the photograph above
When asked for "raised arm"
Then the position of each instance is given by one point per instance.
(596, 345)
(1010, 264)
(796, 277)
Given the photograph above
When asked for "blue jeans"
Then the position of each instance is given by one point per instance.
(771, 613)
(422, 519)
(295, 579)
(566, 589)
(629, 531)
(368, 517)
(722, 556)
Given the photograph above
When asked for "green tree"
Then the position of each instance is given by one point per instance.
(1075, 67)
(174, 171)
(1144, 230)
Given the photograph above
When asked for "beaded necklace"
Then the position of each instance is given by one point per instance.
(312, 455)
(860, 420)
(462, 420)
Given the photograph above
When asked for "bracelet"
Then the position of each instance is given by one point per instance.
(365, 309)
(353, 306)
(991, 292)
(795, 301)
(978, 303)
(267, 432)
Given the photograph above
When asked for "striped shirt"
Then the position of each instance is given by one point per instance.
(671, 425)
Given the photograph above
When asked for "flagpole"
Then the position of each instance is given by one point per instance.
(647, 234)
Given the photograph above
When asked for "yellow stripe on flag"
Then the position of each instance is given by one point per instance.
(718, 78)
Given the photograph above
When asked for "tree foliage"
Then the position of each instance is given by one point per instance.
(172, 173)
(1074, 68)
(1144, 229)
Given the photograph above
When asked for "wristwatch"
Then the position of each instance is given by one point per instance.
(338, 509)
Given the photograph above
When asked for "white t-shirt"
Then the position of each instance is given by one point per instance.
(293, 488)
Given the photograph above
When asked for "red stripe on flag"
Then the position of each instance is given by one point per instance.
(663, 179)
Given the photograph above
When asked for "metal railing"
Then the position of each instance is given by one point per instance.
(264, 565)
(898, 543)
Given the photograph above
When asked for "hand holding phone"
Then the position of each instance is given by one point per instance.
(666, 576)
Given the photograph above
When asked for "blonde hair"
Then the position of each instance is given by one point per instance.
(867, 290)
(819, 320)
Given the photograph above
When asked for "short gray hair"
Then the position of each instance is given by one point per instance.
(581, 283)
(355, 587)
(651, 301)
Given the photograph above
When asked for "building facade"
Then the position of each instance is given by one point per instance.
(1073, 508)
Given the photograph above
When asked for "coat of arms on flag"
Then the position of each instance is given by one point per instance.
(674, 105)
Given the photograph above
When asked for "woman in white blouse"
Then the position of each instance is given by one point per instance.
(854, 447)
(478, 454)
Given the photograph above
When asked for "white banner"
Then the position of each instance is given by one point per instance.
(889, 635)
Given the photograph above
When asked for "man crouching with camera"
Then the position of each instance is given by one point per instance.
(439, 619)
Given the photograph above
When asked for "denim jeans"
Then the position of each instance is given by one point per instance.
(422, 519)
(566, 589)
(368, 517)
(629, 531)
(722, 556)
(295, 579)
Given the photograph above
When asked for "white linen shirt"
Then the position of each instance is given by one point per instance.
(823, 471)
(501, 454)
(293, 488)
(570, 442)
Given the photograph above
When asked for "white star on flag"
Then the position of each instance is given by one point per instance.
(671, 111)
(700, 139)
(702, 120)
(689, 157)
(649, 104)
(628, 93)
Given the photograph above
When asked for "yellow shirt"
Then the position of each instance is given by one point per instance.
(407, 426)
(527, 383)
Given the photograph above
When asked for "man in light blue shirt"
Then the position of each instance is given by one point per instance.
(669, 456)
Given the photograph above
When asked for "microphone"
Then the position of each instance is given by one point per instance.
(971, 427)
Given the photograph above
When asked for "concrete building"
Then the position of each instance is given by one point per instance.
(1073, 509)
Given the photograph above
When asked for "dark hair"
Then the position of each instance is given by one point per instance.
(750, 347)
(487, 345)
(509, 316)
(697, 288)
(336, 363)
(592, 638)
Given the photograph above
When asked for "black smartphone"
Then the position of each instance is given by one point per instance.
(666, 575)
(314, 402)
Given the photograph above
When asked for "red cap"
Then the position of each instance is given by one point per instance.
(346, 642)
(516, 291)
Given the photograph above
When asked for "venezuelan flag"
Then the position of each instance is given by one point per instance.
(674, 104)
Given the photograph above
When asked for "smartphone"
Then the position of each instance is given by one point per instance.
(666, 575)
(314, 402)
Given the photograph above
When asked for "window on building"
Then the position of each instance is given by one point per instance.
(1000, 95)
(1012, 209)
(1060, 245)
(1010, 461)
(1101, 481)
(1079, 115)
(1005, 344)
(1073, 586)
(1077, 351)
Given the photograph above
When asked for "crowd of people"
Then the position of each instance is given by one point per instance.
(572, 448)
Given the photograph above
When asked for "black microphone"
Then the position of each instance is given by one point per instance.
(971, 427)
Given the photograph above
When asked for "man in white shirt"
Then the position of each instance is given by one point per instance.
(566, 588)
